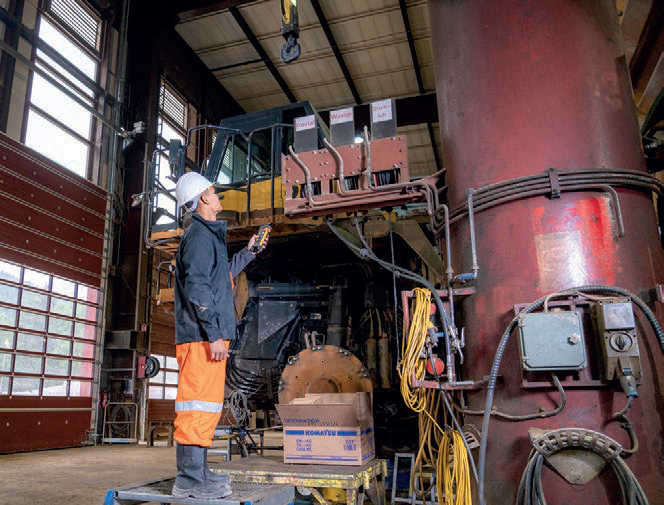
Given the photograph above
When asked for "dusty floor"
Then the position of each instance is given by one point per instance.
(79, 476)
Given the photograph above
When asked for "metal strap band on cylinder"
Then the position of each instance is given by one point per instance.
(199, 405)
(554, 183)
(564, 181)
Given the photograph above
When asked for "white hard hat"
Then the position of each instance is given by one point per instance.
(189, 187)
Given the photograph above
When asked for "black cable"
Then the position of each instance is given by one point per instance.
(367, 252)
(540, 184)
(624, 410)
(503, 343)
(394, 290)
(524, 417)
(531, 492)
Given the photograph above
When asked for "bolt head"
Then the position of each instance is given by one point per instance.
(574, 339)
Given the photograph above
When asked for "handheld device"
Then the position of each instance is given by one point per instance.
(263, 234)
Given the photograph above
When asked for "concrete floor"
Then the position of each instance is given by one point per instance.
(79, 476)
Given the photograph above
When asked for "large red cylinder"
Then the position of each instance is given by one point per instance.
(524, 85)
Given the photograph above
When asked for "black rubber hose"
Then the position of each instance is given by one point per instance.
(503, 343)
(531, 491)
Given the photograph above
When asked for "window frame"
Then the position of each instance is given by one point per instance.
(163, 384)
(96, 51)
(162, 143)
(47, 335)
(44, 12)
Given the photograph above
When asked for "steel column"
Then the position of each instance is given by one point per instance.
(524, 85)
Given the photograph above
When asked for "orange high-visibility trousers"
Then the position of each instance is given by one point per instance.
(200, 397)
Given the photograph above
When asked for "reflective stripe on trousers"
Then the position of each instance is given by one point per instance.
(199, 405)
(200, 397)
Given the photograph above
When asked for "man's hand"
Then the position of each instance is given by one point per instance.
(218, 350)
(252, 242)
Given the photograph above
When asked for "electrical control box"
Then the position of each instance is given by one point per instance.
(617, 338)
(551, 341)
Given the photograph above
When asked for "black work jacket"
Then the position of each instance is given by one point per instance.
(203, 293)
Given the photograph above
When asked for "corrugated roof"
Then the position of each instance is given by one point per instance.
(371, 37)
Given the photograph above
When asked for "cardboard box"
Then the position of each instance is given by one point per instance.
(328, 429)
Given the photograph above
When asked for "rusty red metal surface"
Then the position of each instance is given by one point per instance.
(43, 423)
(523, 86)
(50, 218)
(389, 154)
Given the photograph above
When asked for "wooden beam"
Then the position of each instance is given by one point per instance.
(196, 8)
(653, 88)
(648, 50)
(411, 45)
(335, 49)
(239, 19)
(634, 15)
(418, 75)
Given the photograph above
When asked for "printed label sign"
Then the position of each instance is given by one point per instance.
(303, 445)
(305, 123)
(381, 111)
(341, 116)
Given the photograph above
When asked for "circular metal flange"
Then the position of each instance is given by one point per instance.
(323, 369)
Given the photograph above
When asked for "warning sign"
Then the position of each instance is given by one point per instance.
(341, 116)
(381, 111)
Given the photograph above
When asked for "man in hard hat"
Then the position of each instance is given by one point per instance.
(204, 327)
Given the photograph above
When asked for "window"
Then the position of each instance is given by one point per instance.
(48, 329)
(175, 116)
(58, 126)
(164, 385)
(234, 164)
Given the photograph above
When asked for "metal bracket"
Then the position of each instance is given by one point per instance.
(554, 182)
(551, 442)
(318, 496)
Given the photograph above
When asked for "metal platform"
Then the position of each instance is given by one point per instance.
(355, 480)
(244, 493)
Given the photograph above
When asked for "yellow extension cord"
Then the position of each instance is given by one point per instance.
(442, 449)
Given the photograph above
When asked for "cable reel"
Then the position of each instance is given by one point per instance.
(152, 367)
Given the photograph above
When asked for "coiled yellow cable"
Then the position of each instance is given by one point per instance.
(441, 449)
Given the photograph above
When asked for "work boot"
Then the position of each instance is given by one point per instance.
(190, 481)
(222, 478)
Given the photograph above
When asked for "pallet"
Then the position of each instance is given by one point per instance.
(244, 493)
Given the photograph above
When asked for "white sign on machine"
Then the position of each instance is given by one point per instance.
(381, 111)
(305, 123)
(341, 116)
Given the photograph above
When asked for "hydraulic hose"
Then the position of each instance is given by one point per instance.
(503, 344)
(340, 162)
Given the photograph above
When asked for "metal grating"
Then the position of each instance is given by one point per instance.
(173, 107)
(78, 19)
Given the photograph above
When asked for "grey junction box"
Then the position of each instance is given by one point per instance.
(551, 341)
